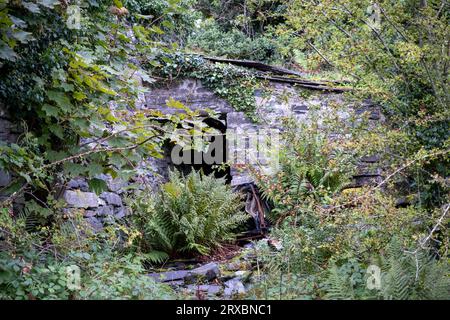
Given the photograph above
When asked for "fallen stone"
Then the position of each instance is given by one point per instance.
(234, 287)
(80, 199)
(242, 274)
(237, 265)
(169, 275)
(208, 271)
(212, 289)
(111, 198)
(176, 283)
(95, 223)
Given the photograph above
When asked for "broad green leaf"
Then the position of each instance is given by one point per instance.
(97, 185)
(74, 169)
(50, 110)
(57, 130)
(61, 99)
(6, 52)
(32, 7)
(94, 169)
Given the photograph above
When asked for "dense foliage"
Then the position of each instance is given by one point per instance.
(35, 261)
(240, 29)
(192, 214)
(73, 76)
(332, 232)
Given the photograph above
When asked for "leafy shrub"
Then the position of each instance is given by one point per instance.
(34, 261)
(308, 267)
(232, 44)
(313, 168)
(103, 276)
(109, 276)
(191, 214)
(403, 276)
(331, 235)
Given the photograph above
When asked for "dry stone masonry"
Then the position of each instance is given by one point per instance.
(280, 101)
(9, 133)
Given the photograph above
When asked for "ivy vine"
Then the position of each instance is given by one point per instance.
(235, 85)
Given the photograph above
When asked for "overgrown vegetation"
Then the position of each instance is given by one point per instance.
(235, 85)
(35, 262)
(333, 234)
(192, 214)
(72, 86)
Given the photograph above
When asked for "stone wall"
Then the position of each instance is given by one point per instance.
(97, 209)
(282, 100)
(9, 133)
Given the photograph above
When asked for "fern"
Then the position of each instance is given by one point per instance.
(191, 214)
(156, 256)
(338, 285)
(404, 276)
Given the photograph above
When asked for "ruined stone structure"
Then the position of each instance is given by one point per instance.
(282, 100)
(9, 133)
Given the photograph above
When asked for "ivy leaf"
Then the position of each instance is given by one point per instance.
(74, 169)
(61, 99)
(32, 7)
(79, 96)
(57, 130)
(67, 87)
(94, 169)
(56, 155)
(50, 110)
(117, 160)
(22, 36)
(172, 103)
(82, 124)
(6, 52)
(97, 185)
(118, 142)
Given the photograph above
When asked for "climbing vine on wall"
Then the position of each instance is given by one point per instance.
(235, 85)
(75, 89)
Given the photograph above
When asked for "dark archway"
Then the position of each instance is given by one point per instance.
(220, 125)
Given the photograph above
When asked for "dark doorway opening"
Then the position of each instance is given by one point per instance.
(219, 124)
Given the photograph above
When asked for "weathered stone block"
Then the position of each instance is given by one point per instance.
(95, 223)
(111, 198)
(105, 211)
(78, 183)
(116, 185)
(80, 199)
(120, 212)
(169, 275)
(208, 271)
(5, 178)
